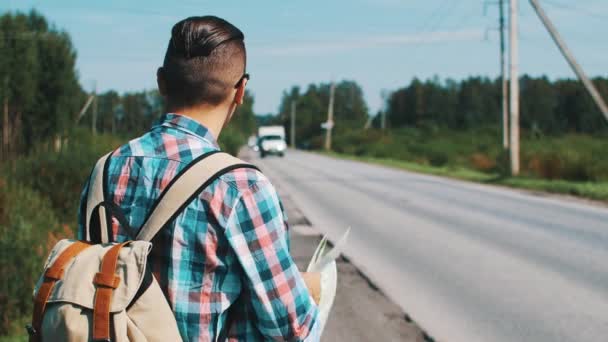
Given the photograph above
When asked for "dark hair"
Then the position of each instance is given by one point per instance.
(205, 59)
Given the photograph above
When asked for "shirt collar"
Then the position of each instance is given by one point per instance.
(188, 125)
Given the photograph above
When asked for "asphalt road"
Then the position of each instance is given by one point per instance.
(467, 262)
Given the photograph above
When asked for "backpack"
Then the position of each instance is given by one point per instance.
(103, 290)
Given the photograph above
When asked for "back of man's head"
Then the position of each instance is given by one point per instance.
(205, 59)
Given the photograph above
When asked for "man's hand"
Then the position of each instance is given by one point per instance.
(313, 283)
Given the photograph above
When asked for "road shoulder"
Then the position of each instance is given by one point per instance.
(361, 312)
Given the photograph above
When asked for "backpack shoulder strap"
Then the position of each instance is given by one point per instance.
(95, 196)
(185, 187)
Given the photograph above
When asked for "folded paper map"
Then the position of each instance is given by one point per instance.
(324, 262)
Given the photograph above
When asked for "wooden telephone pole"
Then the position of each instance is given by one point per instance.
(563, 48)
(330, 117)
(514, 87)
(503, 79)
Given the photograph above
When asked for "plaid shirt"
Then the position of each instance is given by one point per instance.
(229, 249)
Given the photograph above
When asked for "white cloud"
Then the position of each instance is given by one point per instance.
(368, 42)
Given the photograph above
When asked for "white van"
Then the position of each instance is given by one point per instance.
(271, 140)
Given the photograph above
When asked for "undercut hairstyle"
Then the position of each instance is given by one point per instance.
(205, 60)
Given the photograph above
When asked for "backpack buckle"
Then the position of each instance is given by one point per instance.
(30, 330)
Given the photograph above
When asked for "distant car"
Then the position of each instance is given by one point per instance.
(272, 144)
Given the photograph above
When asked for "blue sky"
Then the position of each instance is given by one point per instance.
(381, 44)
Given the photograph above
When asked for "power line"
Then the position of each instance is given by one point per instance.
(430, 19)
(448, 11)
(433, 22)
(464, 18)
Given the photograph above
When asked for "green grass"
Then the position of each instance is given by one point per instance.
(571, 157)
(17, 331)
(14, 338)
(590, 190)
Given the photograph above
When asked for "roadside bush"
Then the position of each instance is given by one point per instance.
(572, 157)
(39, 194)
(569, 157)
(437, 158)
(579, 168)
(386, 149)
(317, 142)
(357, 142)
(232, 140)
(61, 175)
(482, 162)
(547, 167)
(28, 227)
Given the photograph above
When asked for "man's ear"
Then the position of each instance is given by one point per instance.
(239, 97)
(161, 82)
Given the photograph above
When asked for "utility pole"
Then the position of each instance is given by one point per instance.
(384, 96)
(293, 124)
(94, 119)
(503, 79)
(563, 48)
(330, 117)
(514, 83)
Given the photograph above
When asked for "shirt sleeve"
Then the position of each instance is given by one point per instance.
(256, 230)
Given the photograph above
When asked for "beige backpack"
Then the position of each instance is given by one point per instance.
(105, 291)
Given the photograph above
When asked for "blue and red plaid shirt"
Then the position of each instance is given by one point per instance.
(229, 248)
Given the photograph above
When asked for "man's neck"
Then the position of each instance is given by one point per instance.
(212, 118)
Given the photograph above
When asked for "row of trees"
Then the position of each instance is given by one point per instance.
(547, 107)
(551, 107)
(133, 113)
(126, 114)
(39, 89)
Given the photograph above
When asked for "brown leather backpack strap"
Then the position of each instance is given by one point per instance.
(106, 281)
(51, 276)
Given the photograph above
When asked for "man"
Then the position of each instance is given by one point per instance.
(237, 220)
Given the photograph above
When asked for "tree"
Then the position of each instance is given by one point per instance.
(538, 104)
(39, 81)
